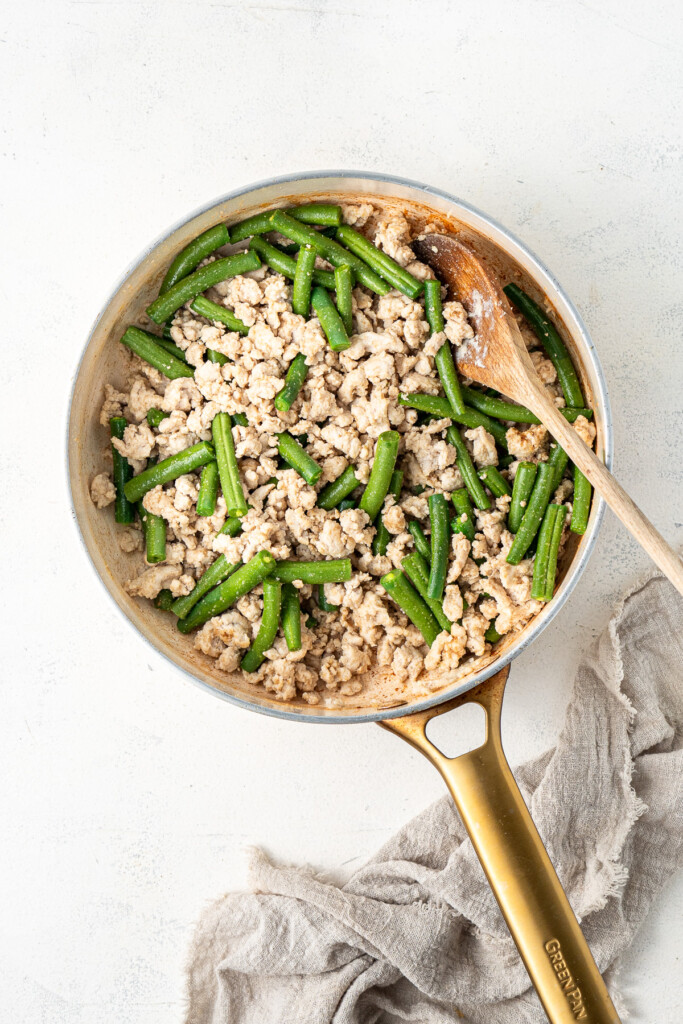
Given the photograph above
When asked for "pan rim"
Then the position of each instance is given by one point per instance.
(542, 275)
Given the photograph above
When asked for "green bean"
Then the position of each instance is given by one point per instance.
(163, 600)
(291, 617)
(232, 526)
(327, 214)
(186, 461)
(552, 343)
(433, 308)
(296, 375)
(270, 620)
(505, 461)
(228, 467)
(521, 491)
(329, 318)
(222, 597)
(303, 277)
(495, 481)
(153, 530)
(155, 417)
(379, 261)
(334, 492)
(554, 551)
(212, 311)
(416, 569)
(558, 459)
(259, 224)
(409, 601)
(170, 346)
(545, 535)
(386, 451)
(382, 538)
(216, 357)
(440, 534)
(331, 250)
(218, 571)
(582, 502)
(440, 407)
(311, 622)
(144, 346)
(465, 517)
(448, 376)
(422, 545)
(208, 490)
(533, 514)
(347, 503)
(192, 255)
(124, 510)
(323, 603)
(467, 470)
(492, 635)
(299, 459)
(333, 570)
(343, 286)
(239, 419)
(282, 263)
(501, 410)
(191, 286)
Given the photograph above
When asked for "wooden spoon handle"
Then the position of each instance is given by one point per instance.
(614, 494)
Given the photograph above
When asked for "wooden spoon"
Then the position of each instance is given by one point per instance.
(497, 357)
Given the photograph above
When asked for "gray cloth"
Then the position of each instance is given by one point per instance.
(416, 935)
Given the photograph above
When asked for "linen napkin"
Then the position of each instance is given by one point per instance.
(416, 935)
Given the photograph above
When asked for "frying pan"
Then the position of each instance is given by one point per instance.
(510, 850)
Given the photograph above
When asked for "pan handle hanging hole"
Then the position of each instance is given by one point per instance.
(458, 731)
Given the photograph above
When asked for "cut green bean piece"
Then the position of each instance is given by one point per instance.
(581, 502)
(382, 538)
(533, 514)
(170, 346)
(323, 603)
(239, 419)
(492, 635)
(296, 375)
(270, 620)
(448, 376)
(380, 262)
(210, 578)
(303, 279)
(228, 467)
(553, 553)
(192, 255)
(212, 311)
(222, 597)
(216, 357)
(232, 526)
(502, 410)
(334, 253)
(208, 490)
(335, 492)
(155, 416)
(187, 461)
(311, 622)
(332, 570)
(422, 545)
(552, 343)
(145, 346)
(153, 530)
(545, 534)
(416, 569)
(433, 307)
(291, 617)
(495, 481)
(465, 518)
(191, 286)
(343, 286)
(124, 509)
(163, 600)
(440, 407)
(521, 492)
(325, 214)
(558, 459)
(440, 534)
(377, 487)
(299, 459)
(283, 264)
(467, 470)
(410, 602)
(259, 224)
(347, 503)
(330, 320)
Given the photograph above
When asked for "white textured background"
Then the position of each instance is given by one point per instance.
(127, 796)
